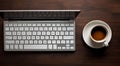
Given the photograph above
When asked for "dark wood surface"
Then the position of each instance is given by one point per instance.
(106, 10)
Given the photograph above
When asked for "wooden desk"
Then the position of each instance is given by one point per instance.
(106, 10)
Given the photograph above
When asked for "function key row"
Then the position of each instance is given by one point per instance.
(24, 24)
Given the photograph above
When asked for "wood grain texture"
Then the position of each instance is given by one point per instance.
(106, 10)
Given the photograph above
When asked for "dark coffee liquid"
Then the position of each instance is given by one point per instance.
(98, 33)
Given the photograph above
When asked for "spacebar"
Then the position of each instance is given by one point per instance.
(35, 46)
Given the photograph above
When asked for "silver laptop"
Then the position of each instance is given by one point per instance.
(39, 30)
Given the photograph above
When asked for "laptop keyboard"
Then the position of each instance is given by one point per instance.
(39, 36)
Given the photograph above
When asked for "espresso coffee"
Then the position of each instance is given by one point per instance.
(98, 33)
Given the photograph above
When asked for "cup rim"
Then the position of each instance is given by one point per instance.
(99, 41)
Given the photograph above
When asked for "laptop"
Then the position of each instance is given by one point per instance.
(39, 30)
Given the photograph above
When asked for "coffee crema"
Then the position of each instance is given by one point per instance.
(98, 33)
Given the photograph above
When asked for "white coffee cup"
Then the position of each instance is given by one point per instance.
(99, 31)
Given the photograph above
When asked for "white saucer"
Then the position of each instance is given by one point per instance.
(86, 33)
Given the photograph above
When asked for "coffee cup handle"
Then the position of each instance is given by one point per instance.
(106, 44)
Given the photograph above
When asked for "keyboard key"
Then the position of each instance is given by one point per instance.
(49, 46)
(34, 33)
(16, 46)
(41, 28)
(49, 41)
(44, 41)
(59, 28)
(55, 37)
(37, 37)
(38, 24)
(48, 33)
(14, 37)
(38, 33)
(15, 25)
(57, 24)
(33, 37)
(64, 28)
(66, 33)
(62, 33)
(31, 41)
(18, 33)
(57, 33)
(23, 33)
(11, 46)
(42, 37)
(66, 24)
(43, 24)
(28, 37)
(10, 24)
(24, 37)
(48, 24)
(71, 47)
(10, 42)
(20, 46)
(45, 28)
(8, 33)
(62, 24)
(33, 24)
(43, 33)
(60, 37)
(26, 41)
(35, 42)
(62, 41)
(50, 28)
(13, 33)
(29, 25)
(71, 33)
(26, 28)
(36, 28)
(31, 29)
(67, 41)
(70, 28)
(72, 41)
(59, 47)
(24, 25)
(68, 37)
(17, 42)
(16, 28)
(54, 28)
(8, 37)
(54, 46)
(51, 37)
(40, 41)
(46, 37)
(63, 47)
(6, 46)
(19, 24)
(58, 41)
(29, 33)
(53, 41)
(67, 47)
(21, 41)
(52, 33)
(35, 46)
(7, 28)
(21, 28)
(19, 37)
